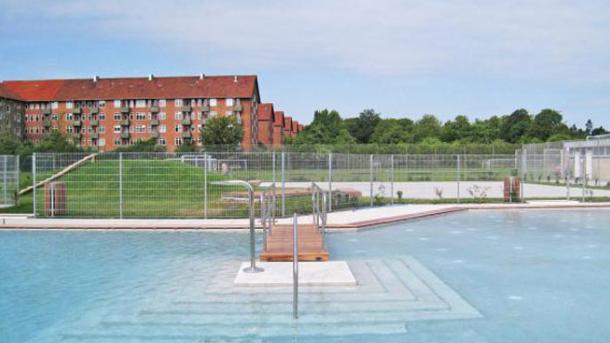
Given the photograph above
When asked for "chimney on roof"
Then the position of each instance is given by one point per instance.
(235, 79)
(201, 76)
(150, 77)
(95, 78)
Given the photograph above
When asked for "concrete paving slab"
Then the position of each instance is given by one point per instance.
(332, 273)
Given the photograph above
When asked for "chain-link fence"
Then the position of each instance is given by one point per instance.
(9, 180)
(181, 185)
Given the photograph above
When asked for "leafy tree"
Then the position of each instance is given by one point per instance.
(427, 127)
(9, 144)
(393, 131)
(515, 126)
(547, 123)
(558, 137)
(327, 127)
(456, 130)
(599, 131)
(56, 142)
(589, 127)
(187, 147)
(362, 128)
(222, 130)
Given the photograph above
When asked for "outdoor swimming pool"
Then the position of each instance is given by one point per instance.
(477, 276)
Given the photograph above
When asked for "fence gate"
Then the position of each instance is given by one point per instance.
(9, 180)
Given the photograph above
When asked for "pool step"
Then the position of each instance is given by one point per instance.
(391, 292)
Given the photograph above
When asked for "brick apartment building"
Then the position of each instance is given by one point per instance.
(106, 113)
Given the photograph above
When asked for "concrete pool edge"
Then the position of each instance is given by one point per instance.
(343, 221)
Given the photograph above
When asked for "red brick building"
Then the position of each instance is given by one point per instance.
(106, 113)
(278, 129)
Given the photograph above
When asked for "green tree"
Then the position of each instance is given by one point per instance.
(515, 126)
(222, 130)
(546, 123)
(427, 127)
(362, 127)
(456, 130)
(149, 145)
(56, 142)
(327, 127)
(393, 131)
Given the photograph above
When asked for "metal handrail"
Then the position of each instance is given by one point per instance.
(295, 267)
(253, 268)
(319, 207)
(267, 201)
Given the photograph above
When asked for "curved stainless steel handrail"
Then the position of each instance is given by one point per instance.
(253, 268)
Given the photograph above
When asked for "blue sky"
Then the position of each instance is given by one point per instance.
(402, 58)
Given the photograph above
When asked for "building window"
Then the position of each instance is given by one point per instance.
(69, 116)
(117, 142)
(213, 102)
(178, 141)
(162, 141)
(101, 103)
(117, 116)
(178, 102)
(161, 102)
(178, 128)
(55, 105)
(141, 128)
(140, 103)
(117, 103)
(101, 116)
(69, 104)
(229, 102)
(178, 116)
(101, 142)
(213, 113)
(228, 113)
(116, 129)
(140, 116)
(101, 129)
(162, 116)
(162, 128)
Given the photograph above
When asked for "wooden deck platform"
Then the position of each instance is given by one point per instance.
(280, 244)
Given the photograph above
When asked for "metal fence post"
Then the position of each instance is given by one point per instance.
(121, 185)
(330, 181)
(458, 176)
(583, 169)
(34, 185)
(205, 186)
(392, 179)
(295, 267)
(283, 172)
(5, 179)
(17, 178)
(371, 179)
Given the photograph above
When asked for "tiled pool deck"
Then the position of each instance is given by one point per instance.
(341, 220)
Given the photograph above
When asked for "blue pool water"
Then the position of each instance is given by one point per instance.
(539, 276)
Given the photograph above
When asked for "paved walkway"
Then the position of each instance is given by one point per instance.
(350, 219)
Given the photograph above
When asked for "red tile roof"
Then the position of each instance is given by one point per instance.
(279, 118)
(135, 88)
(295, 126)
(288, 122)
(300, 127)
(7, 94)
(265, 112)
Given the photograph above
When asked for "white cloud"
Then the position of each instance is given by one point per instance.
(550, 40)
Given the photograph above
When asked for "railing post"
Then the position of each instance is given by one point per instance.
(34, 185)
(283, 172)
(5, 179)
(458, 176)
(264, 219)
(121, 185)
(295, 267)
(392, 179)
(330, 180)
(17, 178)
(205, 186)
(584, 175)
(371, 179)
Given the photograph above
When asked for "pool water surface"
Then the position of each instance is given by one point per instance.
(497, 276)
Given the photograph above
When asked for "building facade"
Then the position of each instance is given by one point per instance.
(107, 113)
(12, 114)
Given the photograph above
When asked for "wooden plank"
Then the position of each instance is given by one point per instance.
(280, 244)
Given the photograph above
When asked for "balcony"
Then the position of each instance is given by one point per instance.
(205, 108)
(46, 112)
(125, 122)
(187, 108)
(155, 122)
(186, 122)
(95, 135)
(94, 122)
(187, 135)
(94, 110)
(77, 111)
(47, 123)
(125, 135)
(77, 123)
(125, 109)
(154, 134)
(155, 109)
